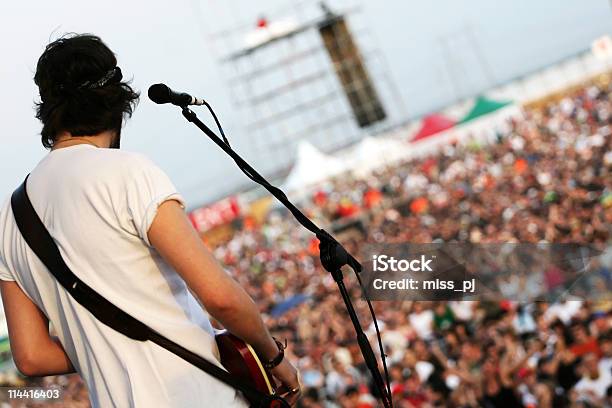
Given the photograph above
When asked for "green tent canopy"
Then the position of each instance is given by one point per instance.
(483, 106)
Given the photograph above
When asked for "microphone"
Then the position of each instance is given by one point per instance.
(160, 94)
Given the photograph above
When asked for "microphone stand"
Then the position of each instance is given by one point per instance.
(333, 255)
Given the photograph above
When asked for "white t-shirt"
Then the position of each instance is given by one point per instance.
(98, 205)
(600, 385)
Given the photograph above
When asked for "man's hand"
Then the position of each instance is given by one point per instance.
(287, 375)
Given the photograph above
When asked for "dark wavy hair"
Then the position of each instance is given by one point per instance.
(80, 88)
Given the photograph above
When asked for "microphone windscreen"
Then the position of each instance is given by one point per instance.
(159, 93)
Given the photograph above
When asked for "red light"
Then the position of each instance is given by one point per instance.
(262, 22)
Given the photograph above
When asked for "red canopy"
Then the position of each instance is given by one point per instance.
(433, 124)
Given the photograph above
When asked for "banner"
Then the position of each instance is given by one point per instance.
(216, 214)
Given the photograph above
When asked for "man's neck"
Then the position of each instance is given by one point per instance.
(65, 139)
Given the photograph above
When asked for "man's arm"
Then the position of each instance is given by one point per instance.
(35, 352)
(172, 234)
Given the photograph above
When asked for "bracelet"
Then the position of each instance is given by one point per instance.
(270, 364)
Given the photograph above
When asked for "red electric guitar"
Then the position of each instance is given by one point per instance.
(240, 360)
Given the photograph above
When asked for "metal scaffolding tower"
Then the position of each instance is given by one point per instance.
(307, 73)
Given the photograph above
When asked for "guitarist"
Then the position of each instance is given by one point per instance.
(120, 226)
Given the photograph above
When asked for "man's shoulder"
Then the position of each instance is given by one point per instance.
(90, 170)
(124, 157)
(129, 171)
(120, 163)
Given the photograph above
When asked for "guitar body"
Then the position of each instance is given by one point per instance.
(239, 359)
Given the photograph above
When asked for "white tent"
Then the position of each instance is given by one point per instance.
(371, 153)
(311, 167)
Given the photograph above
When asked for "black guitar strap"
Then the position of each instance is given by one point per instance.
(40, 241)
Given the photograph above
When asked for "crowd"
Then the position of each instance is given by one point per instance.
(545, 178)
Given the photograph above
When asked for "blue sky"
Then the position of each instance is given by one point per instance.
(167, 41)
